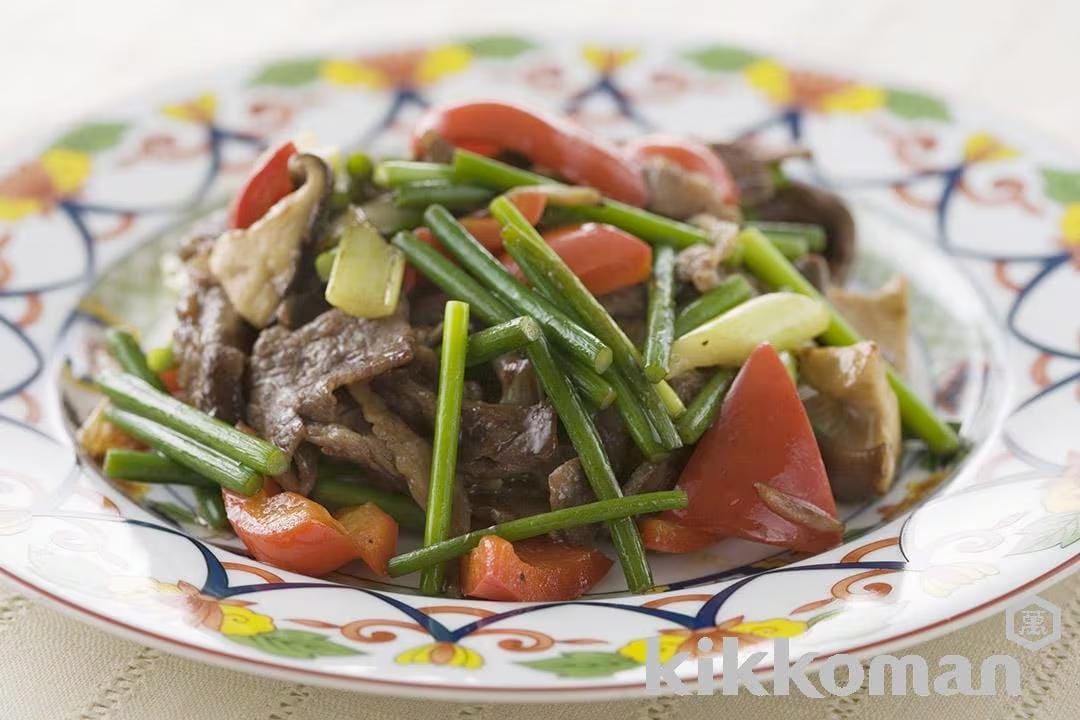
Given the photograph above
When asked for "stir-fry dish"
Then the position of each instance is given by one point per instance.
(529, 346)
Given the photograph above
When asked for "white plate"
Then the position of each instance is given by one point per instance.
(983, 216)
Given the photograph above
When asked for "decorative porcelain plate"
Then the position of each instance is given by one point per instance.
(981, 215)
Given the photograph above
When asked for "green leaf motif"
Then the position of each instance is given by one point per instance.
(499, 47)
(299, 644)
(1062, 186)
(289, 73)
(92, 137)
(916, 106)
(721, 58)
(584, 664)
(1058, 530)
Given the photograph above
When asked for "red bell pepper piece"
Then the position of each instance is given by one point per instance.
(553, 143)
(537, 570)
(761, 437)
(662, 535)
(269, 182)
(291, 532)
(603, 256)
(688, 154)
(373, 532)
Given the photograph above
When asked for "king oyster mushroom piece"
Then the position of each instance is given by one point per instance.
(256, 265)
(880, 315)
(855, 416)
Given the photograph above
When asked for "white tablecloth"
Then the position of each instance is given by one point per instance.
(60, 58)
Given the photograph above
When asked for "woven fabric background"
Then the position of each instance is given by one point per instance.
(64, 57)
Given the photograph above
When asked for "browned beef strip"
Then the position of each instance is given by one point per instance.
(497, 441)
(387, 448)
(302, 474)
(508, 501)
(629, 302)
(211, 343)
(687, 385)
(798, 202)
(656, 476)
(750, 170)
(568, 487)
(618, 445)
(294, 373)
(517, 380)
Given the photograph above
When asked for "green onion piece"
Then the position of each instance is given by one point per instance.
(179, 515)
(183, 450)
(447, 435)
(419, 195)
(634, 417)
(470, 167)
(522, 238)
(452, 280)
(765, 261)
(814, 235)
(365, 279)
(598, 471)
(324, 263)
(476, 259)
(358, 166)
(793, 247)
(729, 293)
(211, 507)
(591, 383)
(535, 525)
(704, 408)
(125, 348)
(627, 400)
(388, 218)
(670, 398)
(392, 173)
(335, 494)
(149, 467)
(660, 320)
(160, 359)
(650, 227)
(135, 395)
(500, 339)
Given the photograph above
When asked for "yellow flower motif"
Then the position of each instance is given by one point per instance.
(942, 580)
(67, 169)
(18, 208)
(854, 99)
(1070, 223)
(1063, 495)
(441, 653)
(606, 60)
(772, 628)
(442, 61)
(198, 110)
(771, 78)
(353, 73)
(669, 645)
(984, 147)
(242, 622)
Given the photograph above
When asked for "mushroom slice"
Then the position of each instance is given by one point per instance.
(256, 265)
(881, 316)
(855, 416)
